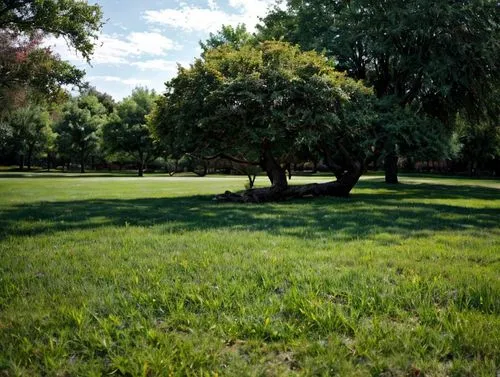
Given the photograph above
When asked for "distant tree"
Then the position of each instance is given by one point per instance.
(28, 134)
(126, 130)
(104, 98)
(259, 106)
(434, 57)
(480, 145)
(228, 35)
(79, 127)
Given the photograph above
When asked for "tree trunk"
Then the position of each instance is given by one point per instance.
(140, 173)
(391, 168)
(281, 191)
(30, 155)
(21, 162)
(275, 173)
(340, 188)
(82, 163)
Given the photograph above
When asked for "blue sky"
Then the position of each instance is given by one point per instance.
(143, 41)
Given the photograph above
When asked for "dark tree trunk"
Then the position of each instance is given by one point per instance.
(275, 173)
(281, 191)
(140, 173)
(21, 162)
(30, 156)
(391, 168)
(82, 163)
(340, 188)
(251, 180)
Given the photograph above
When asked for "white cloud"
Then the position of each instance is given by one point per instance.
(115, 49)
(132, 82)
(212, 4)
(190, 18)
(158, 65)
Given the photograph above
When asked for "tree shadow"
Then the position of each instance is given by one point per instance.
(404, 210)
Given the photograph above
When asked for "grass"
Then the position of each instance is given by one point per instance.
(145, 277)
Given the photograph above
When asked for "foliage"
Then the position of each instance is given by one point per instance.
(30, 73)
(28, 134)
(79, 128)
(235, 37)
(126, 130)
(480, 144)
(263, 105)
(434, 57)
(77, 21)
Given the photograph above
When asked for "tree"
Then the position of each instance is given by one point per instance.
(29, 70)
(127, 131)
(29, 125)
(434, 57)
(78, 129)
(76, 21)
(261, 106)
(480, 145)
(30, 73)
(233, 36)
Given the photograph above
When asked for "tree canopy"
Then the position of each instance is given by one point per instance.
(265, 105)
(126, 130)
(77, 21)
(79, 127)
(436, 57)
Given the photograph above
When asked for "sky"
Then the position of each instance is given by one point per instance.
(142, 42)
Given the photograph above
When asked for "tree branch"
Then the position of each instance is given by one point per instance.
(231, 158)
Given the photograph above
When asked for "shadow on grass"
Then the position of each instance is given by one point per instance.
(401, 210)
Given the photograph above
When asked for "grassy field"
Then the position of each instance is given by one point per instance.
(145, 277)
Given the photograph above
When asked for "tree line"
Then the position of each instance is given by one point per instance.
(349, 85)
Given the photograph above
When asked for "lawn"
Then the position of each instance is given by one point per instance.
(144, 277)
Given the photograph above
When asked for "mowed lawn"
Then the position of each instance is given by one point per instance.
(151, 277)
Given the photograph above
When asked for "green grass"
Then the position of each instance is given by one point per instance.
(145, 277)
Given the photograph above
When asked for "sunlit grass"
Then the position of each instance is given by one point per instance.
(129, 276)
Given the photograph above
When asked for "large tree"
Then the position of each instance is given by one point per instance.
(27, 68)
(31, 73)
(76, 21)
(264, 106)
(126, 130)
(434, 57)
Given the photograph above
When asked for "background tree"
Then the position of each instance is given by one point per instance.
(228, 35)
(435, 57)
(127, 131)
(28, 133)
(259, 106)
(79, 127)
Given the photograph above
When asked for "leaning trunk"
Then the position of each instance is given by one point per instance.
(391, 168)
(281, 191)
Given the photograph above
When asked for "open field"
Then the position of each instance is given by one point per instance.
(144, 277)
